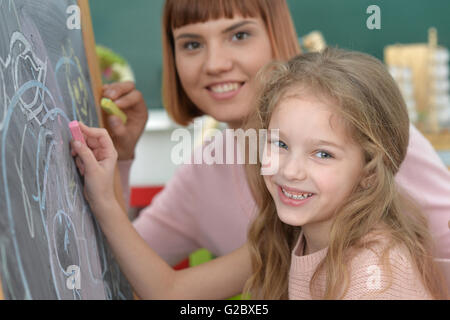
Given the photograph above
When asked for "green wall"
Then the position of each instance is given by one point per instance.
(343, 22)
(132, 29)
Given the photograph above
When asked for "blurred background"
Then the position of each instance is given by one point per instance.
(413, 41)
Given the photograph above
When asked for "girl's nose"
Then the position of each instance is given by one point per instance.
(218, 60)
(293, 168)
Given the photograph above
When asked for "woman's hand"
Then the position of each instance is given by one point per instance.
(96, 162)
(130, 101)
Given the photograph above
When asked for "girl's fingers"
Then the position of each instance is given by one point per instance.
(97, 137)
(91, 131)
(98, 147)
(85, 155)
(93, 143)
(80, 165)
(72, 151)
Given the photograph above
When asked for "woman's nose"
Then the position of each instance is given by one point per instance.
(293, 168)
(218, 60)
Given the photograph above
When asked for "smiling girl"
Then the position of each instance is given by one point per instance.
(334, 214)
(332, 221)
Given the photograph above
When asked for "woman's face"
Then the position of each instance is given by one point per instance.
(217, 62)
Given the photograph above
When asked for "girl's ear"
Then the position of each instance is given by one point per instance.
(367, 182)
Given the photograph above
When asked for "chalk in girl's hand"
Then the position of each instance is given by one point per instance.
(76, 131)
(109, 106)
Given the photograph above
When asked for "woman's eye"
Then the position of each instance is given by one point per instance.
(191, 45)
(323, 155)
(280, 144)
(241, 35)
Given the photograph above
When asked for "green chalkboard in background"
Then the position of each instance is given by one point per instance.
(343, 22)
(132, 29)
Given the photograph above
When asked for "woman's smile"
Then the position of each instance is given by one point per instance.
(225, 90)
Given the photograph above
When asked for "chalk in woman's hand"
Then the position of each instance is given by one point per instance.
(76, 131)
(110, 107)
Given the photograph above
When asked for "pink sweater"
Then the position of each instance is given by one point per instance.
(210, 206)
(368, 277)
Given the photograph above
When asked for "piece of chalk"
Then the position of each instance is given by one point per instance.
(109, 106)
(76, 131)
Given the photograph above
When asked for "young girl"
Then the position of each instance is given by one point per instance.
(212, 51)
(332, 222)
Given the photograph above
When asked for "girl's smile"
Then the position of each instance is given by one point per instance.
(292, 197)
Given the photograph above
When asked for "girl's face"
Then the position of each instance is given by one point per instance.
(217, 62)
(319, 165)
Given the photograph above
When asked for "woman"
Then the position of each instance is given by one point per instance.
(212, 51)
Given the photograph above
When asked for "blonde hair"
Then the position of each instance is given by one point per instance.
(370, 103)
(177, 13)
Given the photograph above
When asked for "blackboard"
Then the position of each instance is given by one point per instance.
(51, 246)
(133, 29)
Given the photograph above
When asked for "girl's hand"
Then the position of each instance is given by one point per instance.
(96, 161)
(130, 101)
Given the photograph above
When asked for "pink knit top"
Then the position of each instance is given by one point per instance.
(368, 278)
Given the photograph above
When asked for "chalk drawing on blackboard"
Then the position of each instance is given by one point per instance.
(30, 100)
(47, 232)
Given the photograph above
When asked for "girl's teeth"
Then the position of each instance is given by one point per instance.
(225, 87)
(296, 197)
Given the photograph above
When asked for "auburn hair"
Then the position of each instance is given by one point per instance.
(177, 13)
(371, 105)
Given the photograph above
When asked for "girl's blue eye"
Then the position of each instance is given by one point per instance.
(241, 35)
(324, 155)
(280, 144)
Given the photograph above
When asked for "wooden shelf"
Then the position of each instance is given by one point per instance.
(440, 141)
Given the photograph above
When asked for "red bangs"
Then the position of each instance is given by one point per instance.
(184, 12)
